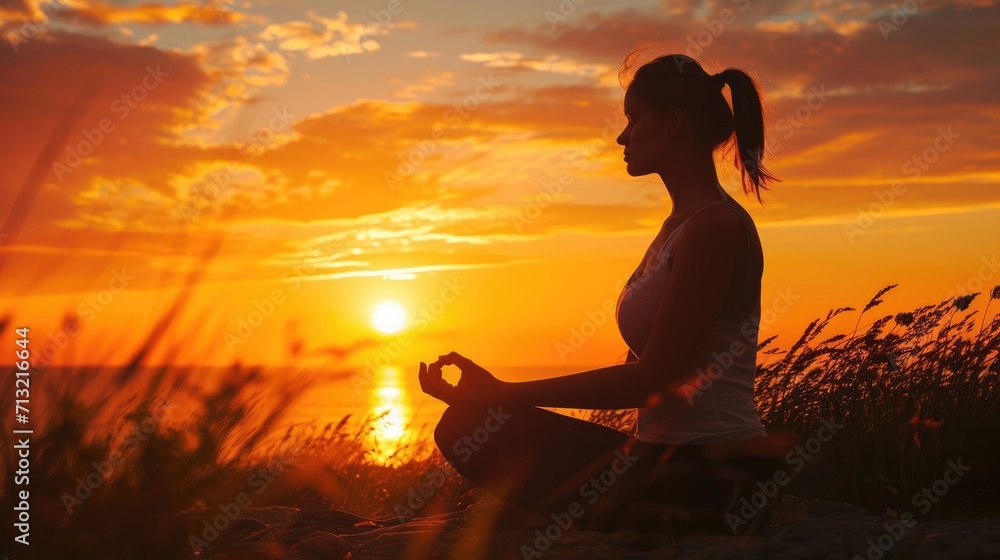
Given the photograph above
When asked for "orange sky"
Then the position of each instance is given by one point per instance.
(357, 161)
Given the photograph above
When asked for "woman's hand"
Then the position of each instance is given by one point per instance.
(475, 386)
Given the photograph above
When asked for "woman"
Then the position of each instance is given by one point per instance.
(690, 315)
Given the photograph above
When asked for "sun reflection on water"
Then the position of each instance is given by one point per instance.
(391, 406)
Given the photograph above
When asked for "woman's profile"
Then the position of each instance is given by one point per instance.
(690, 316)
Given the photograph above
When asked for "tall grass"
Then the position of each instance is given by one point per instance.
(912, 394)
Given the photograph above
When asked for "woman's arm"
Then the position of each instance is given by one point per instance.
(695, 294)
(619, 386)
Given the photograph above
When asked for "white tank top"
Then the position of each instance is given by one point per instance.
(718, 408)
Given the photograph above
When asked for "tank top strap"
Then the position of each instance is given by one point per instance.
(681, 226)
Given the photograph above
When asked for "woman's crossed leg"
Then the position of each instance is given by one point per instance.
(572, 472)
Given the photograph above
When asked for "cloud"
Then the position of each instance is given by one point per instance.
(20, 10)
(241, 66)
(431, 81)
(144, 93)
(887, 97)
(323, 37)
(604, 74)
(120, 167)
(211, 13)
(325, 174)
(787, 26)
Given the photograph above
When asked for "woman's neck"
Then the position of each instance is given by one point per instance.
(686, 206)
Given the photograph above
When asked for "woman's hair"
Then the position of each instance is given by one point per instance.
(676, 80)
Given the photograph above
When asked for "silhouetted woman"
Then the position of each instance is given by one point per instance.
(690, 315)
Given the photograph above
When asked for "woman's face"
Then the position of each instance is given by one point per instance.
(646, 137)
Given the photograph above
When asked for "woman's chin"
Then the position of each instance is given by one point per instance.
(634, 170)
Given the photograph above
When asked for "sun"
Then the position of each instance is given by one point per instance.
(389, 317)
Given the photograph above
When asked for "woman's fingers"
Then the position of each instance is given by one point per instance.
(433, 383)
(434, 370)
(422, 377)
(427, 381)
(455, 359)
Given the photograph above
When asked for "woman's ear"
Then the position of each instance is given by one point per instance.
(672, 120)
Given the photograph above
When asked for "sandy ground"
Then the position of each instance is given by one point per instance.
(803, 529)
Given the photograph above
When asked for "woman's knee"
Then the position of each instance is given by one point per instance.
(463, 429)
(445, 430)
(455, 424)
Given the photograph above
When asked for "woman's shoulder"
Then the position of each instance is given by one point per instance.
(716, 221)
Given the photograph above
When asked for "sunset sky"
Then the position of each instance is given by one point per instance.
(458, 158)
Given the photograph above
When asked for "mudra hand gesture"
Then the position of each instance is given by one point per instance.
(475, 386)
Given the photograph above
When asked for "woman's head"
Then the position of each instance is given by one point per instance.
(674, 108)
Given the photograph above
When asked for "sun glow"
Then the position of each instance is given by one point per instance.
(392, 409)
(389, 317)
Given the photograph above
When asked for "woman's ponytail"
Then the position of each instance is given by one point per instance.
(748, 123)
